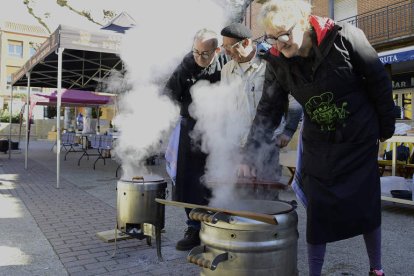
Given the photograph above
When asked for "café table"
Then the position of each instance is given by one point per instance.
(394, 140)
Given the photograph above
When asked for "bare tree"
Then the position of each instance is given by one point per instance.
(32, 13)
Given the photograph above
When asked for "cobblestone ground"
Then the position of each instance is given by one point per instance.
(70, 217)
(85, 203)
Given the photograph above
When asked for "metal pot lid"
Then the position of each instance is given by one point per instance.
(149, 178)
(269, 207)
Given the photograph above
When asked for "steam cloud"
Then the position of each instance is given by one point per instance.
(151, 52)
(221, 129)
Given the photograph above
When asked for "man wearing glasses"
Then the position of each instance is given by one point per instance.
(248, 66)
(202, 63)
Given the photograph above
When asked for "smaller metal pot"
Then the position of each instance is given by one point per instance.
(136, 201)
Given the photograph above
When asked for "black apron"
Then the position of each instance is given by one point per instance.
(191, 163)
(339, 162)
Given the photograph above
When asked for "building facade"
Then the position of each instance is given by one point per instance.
(18, 42)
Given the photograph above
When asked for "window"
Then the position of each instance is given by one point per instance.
(32, 51)
(15, 48)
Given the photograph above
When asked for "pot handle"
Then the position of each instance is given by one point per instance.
(206, 216)
(138, 178)
(195, 257)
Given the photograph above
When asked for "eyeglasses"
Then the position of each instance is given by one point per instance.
(229, 47)
(204, 54)
(281, 38)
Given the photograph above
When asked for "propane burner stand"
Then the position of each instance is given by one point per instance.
(138, 214)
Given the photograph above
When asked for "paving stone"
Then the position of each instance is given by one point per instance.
(85, 204)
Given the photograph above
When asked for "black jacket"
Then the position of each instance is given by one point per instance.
(346, 49)
(187, 74)
(347, 100)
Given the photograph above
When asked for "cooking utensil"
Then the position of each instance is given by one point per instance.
(246, 214)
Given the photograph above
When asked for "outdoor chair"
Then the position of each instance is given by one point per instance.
(68, 141)
(403, 168)
(104, 148)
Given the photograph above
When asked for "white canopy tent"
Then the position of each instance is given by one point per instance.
(70, 58)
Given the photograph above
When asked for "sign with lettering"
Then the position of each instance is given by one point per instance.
(397, 57)
(402, 81)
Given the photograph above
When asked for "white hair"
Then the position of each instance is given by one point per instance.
(206, 34)
(283, 14)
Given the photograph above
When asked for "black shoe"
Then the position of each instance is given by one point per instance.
(190, 240)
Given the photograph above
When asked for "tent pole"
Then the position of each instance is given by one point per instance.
(98, 121)
(59, 103)
(76, 119)
(10, 120)
(27, 119)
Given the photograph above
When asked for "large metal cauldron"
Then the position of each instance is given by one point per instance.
(232, 245)
(138, 214)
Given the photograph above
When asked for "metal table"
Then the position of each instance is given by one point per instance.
(394, 140)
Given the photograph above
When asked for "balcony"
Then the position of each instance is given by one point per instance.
(387, 26)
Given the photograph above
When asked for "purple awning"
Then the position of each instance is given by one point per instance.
(70, 98)
(75, 97)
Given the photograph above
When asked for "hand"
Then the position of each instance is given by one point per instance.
(245, 170)
(283, 140)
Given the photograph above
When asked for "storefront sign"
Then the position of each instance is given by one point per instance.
(397, 57)
(402, 81)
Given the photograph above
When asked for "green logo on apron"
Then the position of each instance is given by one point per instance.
(325, 113)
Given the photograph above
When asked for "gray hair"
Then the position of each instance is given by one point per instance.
(206, 34)
(283, 14)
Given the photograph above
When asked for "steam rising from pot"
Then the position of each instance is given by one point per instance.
(151, 51)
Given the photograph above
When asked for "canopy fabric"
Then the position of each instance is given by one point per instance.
(70, 98)
(398, 55)
(88, 58)
(73, 97)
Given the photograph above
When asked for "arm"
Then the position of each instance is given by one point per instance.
(270, 110)
(378, 84)
(293, 117)
(174, 86)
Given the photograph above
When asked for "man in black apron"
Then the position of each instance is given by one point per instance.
(203, 63)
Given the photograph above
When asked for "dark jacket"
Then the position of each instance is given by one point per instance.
(187, 74)
(291, 108)
(190, 160)
(346, 96)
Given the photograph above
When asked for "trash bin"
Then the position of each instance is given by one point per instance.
(4, 145)
(14, 145)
